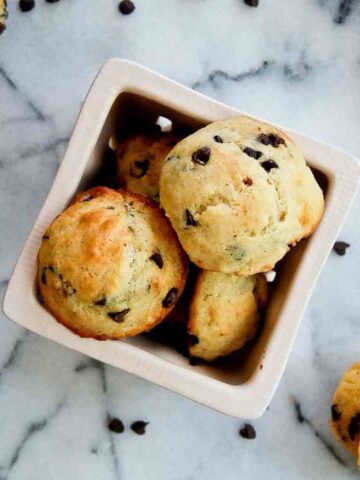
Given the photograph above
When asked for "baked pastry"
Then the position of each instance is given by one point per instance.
(3, 15)
(345, 410)
(139, 161)
(224, 313)
(239, 194)
(110, 266)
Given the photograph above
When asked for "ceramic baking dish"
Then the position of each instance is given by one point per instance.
(122, 92)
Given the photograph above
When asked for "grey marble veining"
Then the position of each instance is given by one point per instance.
(295, 63)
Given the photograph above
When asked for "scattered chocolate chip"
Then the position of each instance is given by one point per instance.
(252, 3)
(271, 139)
(170, 298)
(52, 1)
(252, 153)
(119, 316)
(218, 139)
(142, 167)
(190, 219)
(43, 278)
(126, 7)
(201, 156)
(340, 248)
(110, 208)
(247, 181)
(101, 302)
(51, 268)
(45, 237)
(157, 259)
(139, 427)
(269, 165)
(247, 431)
(68, 289)
(26, 5)
(116, 425)
(354, 426)
(87, 198)
(335, 412)
(192, 340)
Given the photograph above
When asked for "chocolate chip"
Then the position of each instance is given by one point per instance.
(126, 7)
(354, 426)
(119, 316)
(248, 431)
(43, 278)
(192, 340)
(264, 139)
(110, 208)
(170, 298)
(26, 5)
(51, 268)
(340, 248)
(139, 427)
(252, 3)
(87, 198)
(247, 181)
(190, 219)
(101, 302)
(335, 412)
(269, 165)
(252, 153)
(201, 156)
(68, 289)
(271, 139)
(116, 425)
(218, 139)
(52, 1)
(142, 167)
(157, 258)
(45, 237)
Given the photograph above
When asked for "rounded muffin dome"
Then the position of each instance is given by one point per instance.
(110, 265)
(239, 193)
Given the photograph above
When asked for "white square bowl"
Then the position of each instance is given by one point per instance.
(244, 389)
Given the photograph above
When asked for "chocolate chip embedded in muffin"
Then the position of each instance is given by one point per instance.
(126, 7)
(139, 427)
(247, 181)
(218, 139)
(101, 302)
(252, 153)
(201, 156)
(269, 165)
(189, 219)
(248, 432)
(192, 340)
(157, 259)
(171, 298)
(45, 237)
(140, 168)
(335, 413)
(354, 426)
(119, 316)
(271, 139)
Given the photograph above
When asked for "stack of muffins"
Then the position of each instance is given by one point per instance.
(234, 197)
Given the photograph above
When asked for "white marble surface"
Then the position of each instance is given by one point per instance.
(293, 62)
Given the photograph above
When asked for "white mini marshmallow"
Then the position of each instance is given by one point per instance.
(270, 276)
(164, 123)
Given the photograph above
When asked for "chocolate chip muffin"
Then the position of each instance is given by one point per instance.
(239, 194)
(224, 313)
(139, 160)
(110, 266)
(3, 15)
(345, 411)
